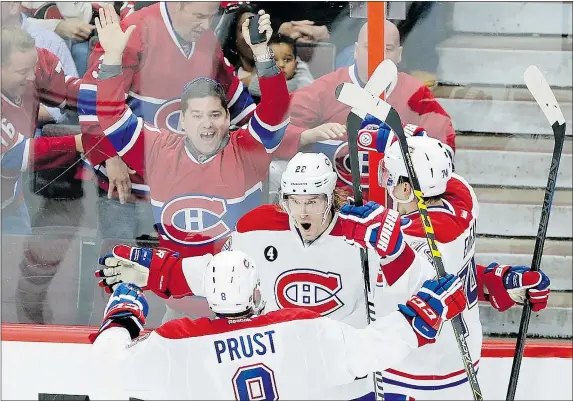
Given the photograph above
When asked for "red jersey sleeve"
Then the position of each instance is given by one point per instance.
(133, 140)
(97, 148)
(54, 87)
(266, 129)
(417, 105)
(305, 113)
(239, 100)
(41, 153)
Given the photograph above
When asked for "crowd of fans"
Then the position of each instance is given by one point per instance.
(56, 142)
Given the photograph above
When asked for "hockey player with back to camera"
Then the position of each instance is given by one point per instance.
(330, 281)
(245, 354)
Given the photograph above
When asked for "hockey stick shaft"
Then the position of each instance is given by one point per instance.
(395, 123)
(382, 80)
(544, 96)
(354, 96)
(353, 122)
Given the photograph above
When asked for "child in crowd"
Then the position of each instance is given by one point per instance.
(296, 71)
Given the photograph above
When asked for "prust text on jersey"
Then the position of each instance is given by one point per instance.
(244, 346)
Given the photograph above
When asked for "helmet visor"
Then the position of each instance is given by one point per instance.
(385, 178)
(312, 205)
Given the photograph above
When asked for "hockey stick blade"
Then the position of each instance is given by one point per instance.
(383, 79)
(356, 97)
(544, 96)
(361, 101)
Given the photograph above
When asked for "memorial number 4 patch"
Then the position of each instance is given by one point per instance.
(271, 253)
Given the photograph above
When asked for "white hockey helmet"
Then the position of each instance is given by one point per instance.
(432, 163)
(231, 283)
(309, 174)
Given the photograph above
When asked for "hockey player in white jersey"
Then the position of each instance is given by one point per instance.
(437, 372)
(303, 257)
(305, 261)
(242, 355)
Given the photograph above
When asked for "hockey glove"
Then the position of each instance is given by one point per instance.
(128, 308)
(372, 226)
(508, 285)
(377, 136)
(437, 301)
(147, 268)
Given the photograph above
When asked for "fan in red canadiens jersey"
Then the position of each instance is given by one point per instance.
(30, 76)
(202, 182)
(172, 45)
(305, 260)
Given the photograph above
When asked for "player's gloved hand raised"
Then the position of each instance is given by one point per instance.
(508, 285)
(437, 301)
(127, 307)
(376, 135)
(147, 268)
(372, 226)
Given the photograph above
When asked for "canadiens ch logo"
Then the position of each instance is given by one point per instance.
(168, 115)
(342, 165)
(309, 289)
(194, 219)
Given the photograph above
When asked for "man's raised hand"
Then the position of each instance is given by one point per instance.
(264, 26)
(111, 37)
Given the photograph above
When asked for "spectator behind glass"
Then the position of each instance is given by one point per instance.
(203, 181)
(240, 55)
(296, 71)
(44, 39)
(173, 35)
(314, 22)
(235, 48)
(29, 76)
(320, 119)
(75, 26)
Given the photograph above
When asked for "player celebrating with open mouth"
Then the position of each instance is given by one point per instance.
(305, 261)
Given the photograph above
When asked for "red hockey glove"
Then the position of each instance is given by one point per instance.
(372, 226)
(437, 301)
(508, 285)
(376, 135)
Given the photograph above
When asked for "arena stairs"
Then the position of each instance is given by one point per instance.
(504, 143)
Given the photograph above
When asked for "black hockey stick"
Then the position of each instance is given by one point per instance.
(384, 78)
(543, 95)
(356, 97)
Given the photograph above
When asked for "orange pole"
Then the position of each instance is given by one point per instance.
(376, 50)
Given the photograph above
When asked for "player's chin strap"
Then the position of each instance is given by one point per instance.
(201, 157)
(390, 190)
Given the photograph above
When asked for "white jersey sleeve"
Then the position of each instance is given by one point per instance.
(129, 371)
(400, 277)
(378, 346)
